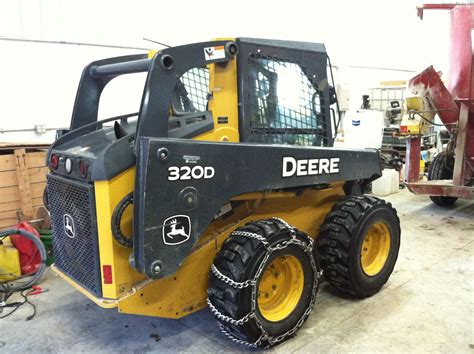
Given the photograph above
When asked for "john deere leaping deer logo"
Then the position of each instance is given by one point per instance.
(176, 229)
(69, 228)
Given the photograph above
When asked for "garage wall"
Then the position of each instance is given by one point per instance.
(38, 87)
(38, 80)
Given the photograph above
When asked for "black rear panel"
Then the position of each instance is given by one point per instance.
(76, 252)
(166, 196)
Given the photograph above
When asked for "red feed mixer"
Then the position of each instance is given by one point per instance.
(451, 172)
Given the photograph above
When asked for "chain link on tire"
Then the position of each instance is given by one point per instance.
(226, 322)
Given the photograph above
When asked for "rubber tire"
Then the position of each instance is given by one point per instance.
(339, 243)
(239, 259)
(442, 168)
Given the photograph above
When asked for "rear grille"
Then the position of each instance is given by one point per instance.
(75, 248)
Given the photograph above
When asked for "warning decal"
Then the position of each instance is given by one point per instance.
(213, 53)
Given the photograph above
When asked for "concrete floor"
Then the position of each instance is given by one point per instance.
(427, 305)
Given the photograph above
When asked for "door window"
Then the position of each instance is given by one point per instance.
(285, 103)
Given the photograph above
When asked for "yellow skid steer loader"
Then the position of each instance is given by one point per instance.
(224, 190)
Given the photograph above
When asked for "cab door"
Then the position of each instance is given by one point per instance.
(283, 91)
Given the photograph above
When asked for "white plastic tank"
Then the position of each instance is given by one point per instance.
(363, 128)
(386, 184)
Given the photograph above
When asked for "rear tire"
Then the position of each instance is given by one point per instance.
(358, 245)
(442, 168)
(286, 282)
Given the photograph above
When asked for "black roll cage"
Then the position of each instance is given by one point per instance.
(163, 76)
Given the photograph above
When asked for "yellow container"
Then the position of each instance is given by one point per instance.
(415, 103)
(422, 167)
(9, 261)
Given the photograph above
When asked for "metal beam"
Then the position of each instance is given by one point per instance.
(412, 160)
(459, 174)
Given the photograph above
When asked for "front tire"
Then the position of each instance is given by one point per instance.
(358, 245)
(263, 283)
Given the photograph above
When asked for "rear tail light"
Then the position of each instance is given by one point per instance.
(83, 167)
(54, 161)
(107, 273)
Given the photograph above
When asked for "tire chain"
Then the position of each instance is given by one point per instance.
(264, 336)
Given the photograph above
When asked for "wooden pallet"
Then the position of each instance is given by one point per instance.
(22, 182)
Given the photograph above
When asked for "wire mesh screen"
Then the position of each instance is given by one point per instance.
(286, 105)
(191, 91)
(76, 254)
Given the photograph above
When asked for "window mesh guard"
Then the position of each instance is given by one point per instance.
(191, 92)
(286, 107)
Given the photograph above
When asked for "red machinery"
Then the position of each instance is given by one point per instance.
(451, 173)
(30, 257)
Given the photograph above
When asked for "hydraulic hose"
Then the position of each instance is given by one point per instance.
(41, 249)
(117, 218)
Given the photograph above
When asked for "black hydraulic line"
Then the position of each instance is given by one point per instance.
(117, 218)
(411, 115)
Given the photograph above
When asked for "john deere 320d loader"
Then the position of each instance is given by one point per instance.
(224, 190)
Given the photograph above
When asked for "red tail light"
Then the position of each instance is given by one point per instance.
(83, 167)
(107, 273)
(54, 161)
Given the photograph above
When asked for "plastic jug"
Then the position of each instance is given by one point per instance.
(386, 184)
(9, 261)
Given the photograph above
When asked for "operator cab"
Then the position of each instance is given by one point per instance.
(189, 93)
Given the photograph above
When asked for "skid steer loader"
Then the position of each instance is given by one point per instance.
(222, 191)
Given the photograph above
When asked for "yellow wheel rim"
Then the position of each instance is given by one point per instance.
(280, 288)
(375, 248)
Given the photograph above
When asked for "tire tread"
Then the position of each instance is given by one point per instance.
(334, 241)
(439, 170)
(223, 296)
